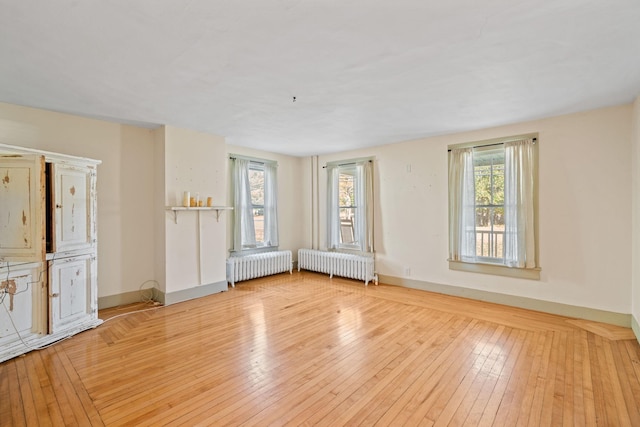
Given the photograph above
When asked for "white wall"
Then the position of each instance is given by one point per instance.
(194, 253)
(585, 210)
(290, 193)
(142, 172)
(635, 290)
(125, 185)
(159, 211)
(587, 180)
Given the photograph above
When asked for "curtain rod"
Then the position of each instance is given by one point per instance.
(347, 164)
(497, 143)
(250, 160)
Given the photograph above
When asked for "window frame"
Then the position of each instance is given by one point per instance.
(363, 240)
(487, 151)
(485, 265)
(254, 163)
(258, 166)
(349, 169)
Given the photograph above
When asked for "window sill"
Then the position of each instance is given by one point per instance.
(496, 270)
(256, 250)
(349, 251)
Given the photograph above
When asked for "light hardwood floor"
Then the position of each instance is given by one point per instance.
(306, 350)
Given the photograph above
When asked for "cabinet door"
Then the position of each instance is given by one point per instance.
(22, 204)
(73, 192)
(22, 308)
(72, 285)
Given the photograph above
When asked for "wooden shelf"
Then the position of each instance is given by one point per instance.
(216, 209)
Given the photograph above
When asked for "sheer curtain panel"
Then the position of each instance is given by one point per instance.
(462, 234)
(270, 205)
(244, 234)
(519, 210)
(364, 202)
(333, 208)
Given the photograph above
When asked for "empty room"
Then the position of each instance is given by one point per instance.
(288, 212)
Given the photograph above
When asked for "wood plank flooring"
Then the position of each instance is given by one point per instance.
(305, 350)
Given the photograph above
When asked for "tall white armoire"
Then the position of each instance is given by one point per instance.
(48, 248)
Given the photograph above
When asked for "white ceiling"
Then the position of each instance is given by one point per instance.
(364, 72)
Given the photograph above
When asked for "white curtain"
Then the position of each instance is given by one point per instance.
(364, 202)
(519, 245)
(270, 204)
(244, 234)
(462, 235)
(333, 208)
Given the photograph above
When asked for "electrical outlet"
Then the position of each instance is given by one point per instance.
(407, 271)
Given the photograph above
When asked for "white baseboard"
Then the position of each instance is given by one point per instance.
(192, 293)
(595, 315)
(166, 299)
(636, 328)
(119, 299)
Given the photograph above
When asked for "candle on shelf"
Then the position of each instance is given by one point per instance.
(186, 199)
(209, 201)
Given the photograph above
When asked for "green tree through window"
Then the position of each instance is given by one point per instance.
(489, 210)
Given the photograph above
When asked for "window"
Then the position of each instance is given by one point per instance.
(256, 183)
(350, 205)
(255, 197)
(488, 171)
(347, 207)
(492, 207)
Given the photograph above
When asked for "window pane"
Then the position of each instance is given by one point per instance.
(256, 180)
(490, 232)
(489, 176)
(483, 185)
(347, 222)
(498, 184)
(258, 223)
(346, 192)
(489, 188)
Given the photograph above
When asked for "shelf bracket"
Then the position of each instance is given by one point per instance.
(216, 209)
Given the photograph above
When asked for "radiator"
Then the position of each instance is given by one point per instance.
(257, 265)
(359, 267)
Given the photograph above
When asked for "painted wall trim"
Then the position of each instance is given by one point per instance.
(192, 293)
(636, 328)
(496, 270)
(120, 299)
(593, 314)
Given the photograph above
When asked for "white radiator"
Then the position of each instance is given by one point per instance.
(359, 267)
(257, 265)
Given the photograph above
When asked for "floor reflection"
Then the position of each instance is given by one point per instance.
(259, 368)
(349, 320)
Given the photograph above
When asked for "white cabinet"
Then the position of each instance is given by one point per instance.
(71, 283)
(48, 244)
(22, 208)
(22, 307)
(73, 190)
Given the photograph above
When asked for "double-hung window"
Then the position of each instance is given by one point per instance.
(350, 205)
(488, 171)
(255, 204)
(256, 184)
(493, 207)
